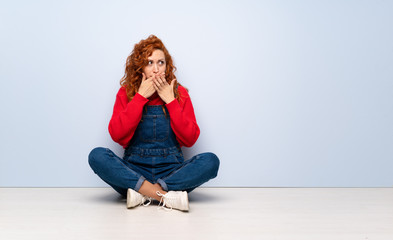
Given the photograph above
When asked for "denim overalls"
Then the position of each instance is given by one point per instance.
(154, 155)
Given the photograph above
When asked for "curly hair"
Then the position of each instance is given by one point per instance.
(137, 61)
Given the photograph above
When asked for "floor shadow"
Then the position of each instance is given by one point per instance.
(109, 198)
(197, 196)
(194, 196)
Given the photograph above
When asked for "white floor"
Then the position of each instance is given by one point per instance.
(215, 213)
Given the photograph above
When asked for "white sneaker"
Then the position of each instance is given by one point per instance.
(134, 199)
(174, 199)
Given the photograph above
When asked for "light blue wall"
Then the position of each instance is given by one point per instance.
(286, 93)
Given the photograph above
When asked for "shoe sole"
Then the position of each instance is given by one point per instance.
(129, 196)
(186, 203)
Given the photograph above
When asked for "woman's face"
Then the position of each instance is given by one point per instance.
(156, 64)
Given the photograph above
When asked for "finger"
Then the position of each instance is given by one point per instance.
(173, 82)
(164, 81)
(155, 77)
(161, 82)
(159, 79)
(156, 83)
(155, 87)
(143, 77)
(160, 75)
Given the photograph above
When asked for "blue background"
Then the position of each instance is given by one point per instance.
(286, 93)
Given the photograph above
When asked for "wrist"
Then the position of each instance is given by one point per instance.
(142, 95)
(170, 100)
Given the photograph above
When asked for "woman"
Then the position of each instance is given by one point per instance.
(152, 119)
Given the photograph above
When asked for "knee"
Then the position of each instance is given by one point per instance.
(96, 156)
(212, 163)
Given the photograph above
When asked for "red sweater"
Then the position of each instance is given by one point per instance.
(127, 114)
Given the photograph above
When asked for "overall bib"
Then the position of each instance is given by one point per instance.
(153, 154)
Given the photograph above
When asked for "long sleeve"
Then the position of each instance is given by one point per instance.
(183, 121)
(126, 117)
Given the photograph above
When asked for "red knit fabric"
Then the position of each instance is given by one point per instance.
(127, 115)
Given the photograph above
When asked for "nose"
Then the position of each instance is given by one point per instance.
(155, 68)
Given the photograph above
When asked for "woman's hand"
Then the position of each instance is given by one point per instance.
(163, 88)
(146, 88)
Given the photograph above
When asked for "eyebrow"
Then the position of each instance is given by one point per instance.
(162, 59)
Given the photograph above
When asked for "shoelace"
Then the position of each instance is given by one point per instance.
(164, 200)
(144, 200)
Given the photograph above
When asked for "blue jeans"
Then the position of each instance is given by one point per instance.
(153, 154)
(164, 166)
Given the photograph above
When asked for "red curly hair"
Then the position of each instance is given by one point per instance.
(137, 61)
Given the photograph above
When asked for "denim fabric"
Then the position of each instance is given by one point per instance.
(153, 154)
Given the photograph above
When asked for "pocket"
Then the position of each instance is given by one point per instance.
(131, 158)
(140, 161)
(167, 161)
(154, 128)
(178, 157)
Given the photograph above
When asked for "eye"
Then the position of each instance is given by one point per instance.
(162, 62)
(150, 62)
